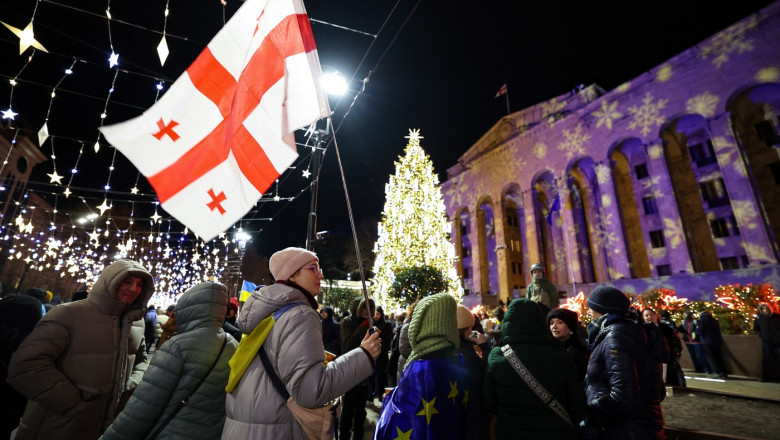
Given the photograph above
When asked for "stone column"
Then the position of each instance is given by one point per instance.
(499, 217)
(674, 235)
(610, 233)
(531, 244)
(571, 270)
(747, 210)
(481, 277)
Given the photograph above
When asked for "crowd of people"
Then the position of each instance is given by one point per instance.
(111, 365)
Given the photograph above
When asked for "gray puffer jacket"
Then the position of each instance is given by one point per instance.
(255, 410)
(175, 369)
(81, 358)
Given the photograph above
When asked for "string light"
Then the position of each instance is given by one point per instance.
(162, 47)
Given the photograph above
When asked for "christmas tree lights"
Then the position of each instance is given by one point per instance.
(414, 230)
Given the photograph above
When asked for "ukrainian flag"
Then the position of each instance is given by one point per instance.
(246, 289)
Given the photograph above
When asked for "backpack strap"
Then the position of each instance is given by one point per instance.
(269, 369)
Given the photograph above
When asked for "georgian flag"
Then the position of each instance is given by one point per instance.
(223, 132)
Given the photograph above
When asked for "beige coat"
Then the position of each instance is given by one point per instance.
(255, 410)
(80, 359)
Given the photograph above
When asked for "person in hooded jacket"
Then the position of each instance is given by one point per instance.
(177, 367)
(385, 330)
(767, 327)
(18, 316)
(624, 380)
(255, 409)
(520, 412)
(83, 357)
(331, 331)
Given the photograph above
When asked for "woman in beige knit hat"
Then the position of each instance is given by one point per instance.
(255, 409)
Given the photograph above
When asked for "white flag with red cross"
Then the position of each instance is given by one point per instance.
(223, 132)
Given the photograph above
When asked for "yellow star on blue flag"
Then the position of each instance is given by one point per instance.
(427, 388)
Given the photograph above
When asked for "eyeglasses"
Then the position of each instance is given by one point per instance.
(314, 268)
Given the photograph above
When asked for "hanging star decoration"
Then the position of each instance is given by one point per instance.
(9, 114)
(67, 192)
(104, 206)
(55, 177)
(134, 190)
(26, 37)
(113, 60)
(156, 217)
(306, 173)
(277, 198)
(94, 236)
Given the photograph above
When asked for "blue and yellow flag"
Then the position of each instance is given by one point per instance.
(246, 289)
(428, 403)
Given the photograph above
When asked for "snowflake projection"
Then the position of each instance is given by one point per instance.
(745, 213)
(728, 41)
(758, 254)
(664, 73)
(540, 150)
(607, 114)
(652, 186)
(552, 107)
(455, 191)
(560, 256)
(605, 236)
(623, 87)
(769, 112)
(704, 104)
(768, 74)
(655, 151)
(674, 232)
(647, 115)
(574, 141)
(606, 200)
(603, 174)
(500, 165)
(657, 253)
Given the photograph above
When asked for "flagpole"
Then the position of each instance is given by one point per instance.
(354, 231)
(311, 229)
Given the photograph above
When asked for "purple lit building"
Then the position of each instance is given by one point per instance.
(670, 180)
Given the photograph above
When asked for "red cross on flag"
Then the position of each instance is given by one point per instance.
(224, 130)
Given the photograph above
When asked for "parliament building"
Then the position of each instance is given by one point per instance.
(670, 180)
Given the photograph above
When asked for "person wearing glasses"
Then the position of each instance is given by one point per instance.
(294, 348)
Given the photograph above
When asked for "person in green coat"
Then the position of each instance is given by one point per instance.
(520, 412)
(541, 290)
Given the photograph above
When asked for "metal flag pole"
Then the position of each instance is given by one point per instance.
(311, 230)
(354, 233)
(507, 100)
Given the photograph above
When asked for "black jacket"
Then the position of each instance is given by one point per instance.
(768, 328)
(709, 330)
(624, 383)
(477, 421)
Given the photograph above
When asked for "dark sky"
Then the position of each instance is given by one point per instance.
(439, 72)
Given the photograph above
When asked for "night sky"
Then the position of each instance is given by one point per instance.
(435, 66)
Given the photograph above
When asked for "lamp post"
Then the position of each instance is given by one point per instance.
(241, 238)
(335, 85)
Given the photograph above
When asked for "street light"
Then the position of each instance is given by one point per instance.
(333, 83)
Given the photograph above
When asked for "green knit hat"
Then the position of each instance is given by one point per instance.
(434, 326)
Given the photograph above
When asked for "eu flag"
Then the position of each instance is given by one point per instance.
(429, 402)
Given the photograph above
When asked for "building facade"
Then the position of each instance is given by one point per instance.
(672, 179)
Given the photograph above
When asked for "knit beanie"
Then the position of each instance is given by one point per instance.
(285, 263)
(568, 317)
(434, 326)
(606, 299)
(465, 317)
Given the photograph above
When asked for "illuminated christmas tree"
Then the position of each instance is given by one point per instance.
(414, 230)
